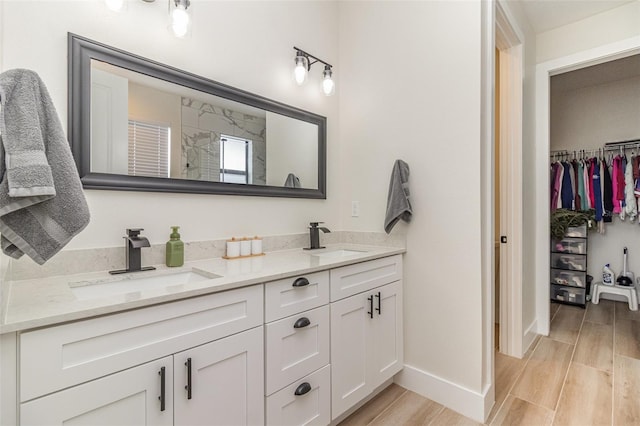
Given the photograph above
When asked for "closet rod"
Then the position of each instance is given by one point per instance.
(622, 143)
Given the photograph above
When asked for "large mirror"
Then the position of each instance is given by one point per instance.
(135, 124)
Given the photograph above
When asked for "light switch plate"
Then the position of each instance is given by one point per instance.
(355, 208)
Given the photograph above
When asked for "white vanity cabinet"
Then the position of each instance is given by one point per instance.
(302, 350)
(366, 330)
(95, 371)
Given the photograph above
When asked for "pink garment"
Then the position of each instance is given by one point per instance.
(614, 182)
(621, 183)
(556, 185)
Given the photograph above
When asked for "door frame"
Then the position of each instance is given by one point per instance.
(544, 72)
(509, 41)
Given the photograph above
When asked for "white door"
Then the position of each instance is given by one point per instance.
(350, 350)
(131, 397)
(386, 333)
(109, 123)
(226, 382)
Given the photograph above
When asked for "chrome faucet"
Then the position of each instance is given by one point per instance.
(314, 234)
(134, 242)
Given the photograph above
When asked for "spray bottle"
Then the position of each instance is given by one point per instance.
(608, 277)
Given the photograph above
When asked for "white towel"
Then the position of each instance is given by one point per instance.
(42, 205)
(398, 205)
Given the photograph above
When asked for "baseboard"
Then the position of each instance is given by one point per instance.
(529, 336)
(460, 399)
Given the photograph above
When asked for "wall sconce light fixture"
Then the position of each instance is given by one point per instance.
(179, 14)
(303, 62)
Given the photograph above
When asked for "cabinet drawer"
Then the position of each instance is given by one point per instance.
(310, 408)
(354, 279)
(570, 278)
(574, 262)
(58, 357)
(292, 352)
(570, 246)
(568, 294)
(282, 298)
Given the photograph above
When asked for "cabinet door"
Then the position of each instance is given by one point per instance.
(386, 333)
(350, 349)
(131, 397)
(227, 382)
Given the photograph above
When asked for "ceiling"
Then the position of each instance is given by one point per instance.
(607, 72)
(545, 15)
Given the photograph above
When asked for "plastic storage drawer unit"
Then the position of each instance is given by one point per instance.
(570, 246)
(570, 278)
(568, 294)
(574, 262)
(577, 232)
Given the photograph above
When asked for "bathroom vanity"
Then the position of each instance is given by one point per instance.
(293, 337)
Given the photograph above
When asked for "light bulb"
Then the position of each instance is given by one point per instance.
(328, 85)
(114, 5)
(300, 71)
(180, 20)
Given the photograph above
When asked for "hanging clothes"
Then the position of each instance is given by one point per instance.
(555, 187)
(581, 186)
(567, 190)
(615, 168)
(597, 189)
(576, 185)
(631, 207)
(607, 195)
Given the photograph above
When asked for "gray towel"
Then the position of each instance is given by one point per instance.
(292, 181)
(42, 205)
(398, 205)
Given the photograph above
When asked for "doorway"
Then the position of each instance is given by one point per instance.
(544, 72)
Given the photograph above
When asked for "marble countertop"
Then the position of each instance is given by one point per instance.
(48, 301)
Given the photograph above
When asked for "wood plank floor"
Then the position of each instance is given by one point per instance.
(587, 372)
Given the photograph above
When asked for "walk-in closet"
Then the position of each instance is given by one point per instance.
(595, 114)
(595, 175)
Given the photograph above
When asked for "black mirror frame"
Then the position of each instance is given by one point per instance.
(80, 53)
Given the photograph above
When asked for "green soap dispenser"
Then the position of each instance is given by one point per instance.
(175, 249)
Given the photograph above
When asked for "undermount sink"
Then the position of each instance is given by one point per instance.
(338, 253)
(129, 283)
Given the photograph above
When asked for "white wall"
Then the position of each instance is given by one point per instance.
(598, 30)
(410, 89)
(245, 44)
(586, 118)
(291, 148)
